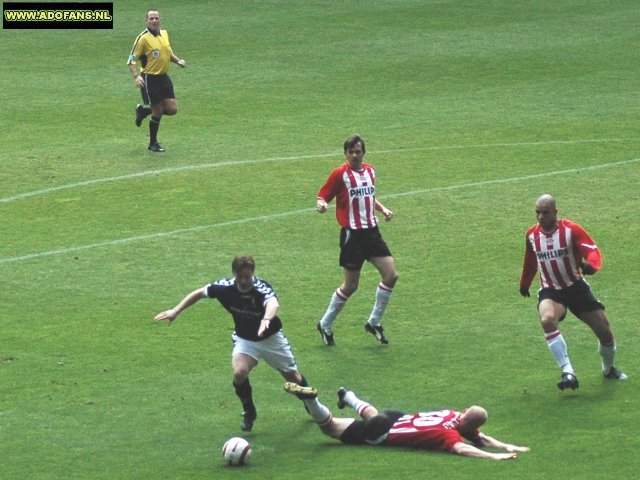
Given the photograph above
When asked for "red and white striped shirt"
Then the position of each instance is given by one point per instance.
(431, 430)
(557, 255)
(355, 194)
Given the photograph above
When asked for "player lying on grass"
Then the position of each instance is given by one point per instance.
(442, 430)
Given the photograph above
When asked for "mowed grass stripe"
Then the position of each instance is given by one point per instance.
(276, 216)
(235, 163)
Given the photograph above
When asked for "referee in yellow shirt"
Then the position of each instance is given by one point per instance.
(153, 50)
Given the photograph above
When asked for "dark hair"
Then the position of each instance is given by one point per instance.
(243, 261)
(353, 141)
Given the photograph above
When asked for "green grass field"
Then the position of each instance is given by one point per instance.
(471, 111)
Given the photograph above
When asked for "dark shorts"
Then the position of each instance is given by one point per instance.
(577, 298)
(356, 246)
(156, 88)
(361, 432)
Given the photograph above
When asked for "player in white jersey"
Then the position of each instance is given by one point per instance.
(353, 185)
(562, 252)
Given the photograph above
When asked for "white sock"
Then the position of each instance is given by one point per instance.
(608, 354)
(354, 402)
(383, 293)
(338, 300)
(319, 412)
(559, 350)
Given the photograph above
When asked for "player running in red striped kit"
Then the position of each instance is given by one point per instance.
(442, 430)
(353, 185)
(562, 252)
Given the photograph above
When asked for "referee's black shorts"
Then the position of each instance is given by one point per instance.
(577, 298)
(356, 246)
(156, 88)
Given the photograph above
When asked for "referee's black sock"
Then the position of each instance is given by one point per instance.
(154, 126)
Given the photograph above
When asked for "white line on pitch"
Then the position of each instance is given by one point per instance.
(150, 173)
(274, 216)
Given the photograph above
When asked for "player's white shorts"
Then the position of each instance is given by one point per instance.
(275, 350)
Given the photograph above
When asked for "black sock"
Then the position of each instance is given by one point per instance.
(244, 393)
(303, 382)
(154, 125)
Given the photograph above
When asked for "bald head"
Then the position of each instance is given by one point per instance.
(472, 418)
(547, 213)
(547, 200)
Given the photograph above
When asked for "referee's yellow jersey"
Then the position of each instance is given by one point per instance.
(152, 51)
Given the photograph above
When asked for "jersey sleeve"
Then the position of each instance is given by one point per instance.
(211, 290)
(586, 246)
(530, 265)
(331, 187)
(445, 440)
(137, 50)
(265, 290)
(164, 32)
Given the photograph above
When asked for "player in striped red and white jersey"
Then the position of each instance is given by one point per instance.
(353, 185)
(442, 430)
(562, 252)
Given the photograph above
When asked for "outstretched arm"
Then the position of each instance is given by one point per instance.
(491, 442)
(467, 450)
(186, 302)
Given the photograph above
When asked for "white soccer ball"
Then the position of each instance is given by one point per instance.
(236, 451)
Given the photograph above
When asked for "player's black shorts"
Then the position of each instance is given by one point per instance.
(356, 246)
(156, 88)
(577, 298)
(368, 431)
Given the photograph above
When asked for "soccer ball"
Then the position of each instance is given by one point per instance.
(236, 451)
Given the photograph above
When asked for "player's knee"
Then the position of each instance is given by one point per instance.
(240, 375)
(390, 279)
(605, 335)
(349, 288)
(549, 322)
